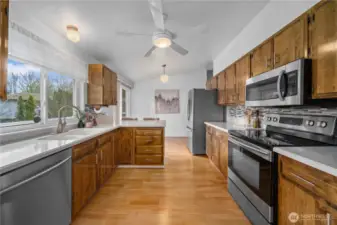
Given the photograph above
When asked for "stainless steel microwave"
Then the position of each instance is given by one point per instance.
(288, 85)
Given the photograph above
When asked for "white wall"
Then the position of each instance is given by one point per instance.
(142, 99)
(270, 19)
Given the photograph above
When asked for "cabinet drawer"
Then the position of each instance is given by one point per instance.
(320, 183)
(83, 149)
(149, 132)
(149, 150)
(148, 140)
(103, 139)
(149, 159)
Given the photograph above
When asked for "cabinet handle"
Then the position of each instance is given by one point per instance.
(101, 155)
(328, 219)
(96, 159)
(302, 179)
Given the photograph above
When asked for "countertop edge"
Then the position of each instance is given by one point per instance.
(307, 161)
(217, 127)
(37, 157)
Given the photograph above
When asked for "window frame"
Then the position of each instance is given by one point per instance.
(78, 101)
(127, 100)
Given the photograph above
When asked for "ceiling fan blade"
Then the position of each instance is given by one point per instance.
(156, 7)
(150, 51)
(178, 48)
(129, 34)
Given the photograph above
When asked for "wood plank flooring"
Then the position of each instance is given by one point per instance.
(188, 191)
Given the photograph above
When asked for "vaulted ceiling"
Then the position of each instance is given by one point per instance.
(203, 27)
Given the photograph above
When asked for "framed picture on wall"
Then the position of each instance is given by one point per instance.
(167, 101)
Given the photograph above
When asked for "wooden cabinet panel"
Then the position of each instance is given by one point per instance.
(149, 132)
(291, 42)
(116, 143)
(126, 146)
(230, 85)
(148, 140)
(102, 87)
(209, 144)
(215, 150)
(104, 163)
(322, 41)
(84, 178)
(214, 82)
(149, 159)
(223, 154)
(149, 150)
(242, 73)
(262, 58)
(83, 149)
(4, 7)
(103, 139)
(221, 88)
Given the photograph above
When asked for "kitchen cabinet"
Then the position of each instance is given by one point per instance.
(221, 88)
(4, 6)
(242, 73)
(116, 146)
(209, 141)
(223, 153)
(291, 42)
(104, 167)
(215, 150)
(102, 86)
(323, 50)
(126, 146)
(307, 192)
(214, 82)
(230, 85)
(84, 176)
(262, 58)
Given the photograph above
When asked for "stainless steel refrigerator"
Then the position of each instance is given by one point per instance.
(201, 107)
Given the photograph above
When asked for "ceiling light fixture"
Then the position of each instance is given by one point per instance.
(161, 40)
(73, 34)
(164, 76)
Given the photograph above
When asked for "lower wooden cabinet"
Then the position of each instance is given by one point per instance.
(305, 194)
(217, 148)
(84, 177)
(126, 145)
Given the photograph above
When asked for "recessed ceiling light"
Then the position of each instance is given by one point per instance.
(73, 34)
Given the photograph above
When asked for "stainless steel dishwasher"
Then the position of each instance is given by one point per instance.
(38, 193)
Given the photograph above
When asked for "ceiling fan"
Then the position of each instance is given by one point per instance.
(161, 38)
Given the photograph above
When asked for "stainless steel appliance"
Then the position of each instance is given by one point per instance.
(201, 107)
(252, 164)
(286, 85)
(38, 193)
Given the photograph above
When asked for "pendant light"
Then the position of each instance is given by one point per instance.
(164, 76)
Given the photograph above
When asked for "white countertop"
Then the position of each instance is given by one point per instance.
(321, 158)
(22, 153)
(223, 126)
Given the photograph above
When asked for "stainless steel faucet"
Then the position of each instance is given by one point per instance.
(61, 125)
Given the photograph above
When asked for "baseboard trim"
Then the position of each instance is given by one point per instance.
(141, 167)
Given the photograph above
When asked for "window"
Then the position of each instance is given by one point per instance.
(125, 101)
(23, 91)
(60, 92)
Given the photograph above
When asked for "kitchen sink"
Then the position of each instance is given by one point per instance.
(73, 134)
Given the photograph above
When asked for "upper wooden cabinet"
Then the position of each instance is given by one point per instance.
(322, 43)
(230, 85)
(262, 58)
(102, 87)
(221, 88)
(291, 42)
(3, 48)
(241, 75)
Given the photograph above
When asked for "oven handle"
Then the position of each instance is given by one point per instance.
(280, 95)
(253, 149)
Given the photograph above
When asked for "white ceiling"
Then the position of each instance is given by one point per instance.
(204, 28)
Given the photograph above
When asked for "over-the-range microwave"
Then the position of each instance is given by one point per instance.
(288, 85)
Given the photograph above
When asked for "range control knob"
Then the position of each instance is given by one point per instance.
(275, 119)
(311, 123)
(269, 118)
(324, 124)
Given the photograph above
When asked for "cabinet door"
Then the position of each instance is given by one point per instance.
(84, 178)
(223, 155)
(262, 58)
(230, 85)
(242, 73)
(114, 88)
(3, 48)
(221, 88)
(322, 41)
(214, 82)
(209, 145)
(107, 87)
(116, 147)
(126, 147)
(215, 150)
(291, 42)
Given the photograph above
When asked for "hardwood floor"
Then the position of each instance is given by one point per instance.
(188, 191)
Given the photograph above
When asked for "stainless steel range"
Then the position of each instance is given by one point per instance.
(252, 172)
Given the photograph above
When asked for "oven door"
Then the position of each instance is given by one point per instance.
(279, 87)
(251, 170)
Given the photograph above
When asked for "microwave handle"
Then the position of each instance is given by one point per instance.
(280, 95)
